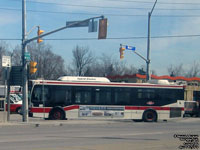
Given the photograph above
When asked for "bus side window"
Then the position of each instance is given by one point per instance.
(144, 95)
(68, 99)
(46, 96)
(122, 96)
(36, 96)
(83, 95)
(77, 98)
(103, 96)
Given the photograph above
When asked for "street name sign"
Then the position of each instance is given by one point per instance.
(130, 48)
(72, 24)
(27, 56)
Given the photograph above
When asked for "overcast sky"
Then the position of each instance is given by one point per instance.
(127, 24)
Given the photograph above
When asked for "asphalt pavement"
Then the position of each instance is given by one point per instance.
(40, 134)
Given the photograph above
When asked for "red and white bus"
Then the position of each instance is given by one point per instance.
(93, 97)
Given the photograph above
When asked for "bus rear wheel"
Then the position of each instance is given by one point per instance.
(150, 116)
(57, 114)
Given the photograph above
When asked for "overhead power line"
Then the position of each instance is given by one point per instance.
(108, 14)
(108, 7)
(112, 38)
(123, 1)
(10, 39)
(124, 38)
(147, 2)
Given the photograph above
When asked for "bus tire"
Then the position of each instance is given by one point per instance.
(57, 114)
(150, 116)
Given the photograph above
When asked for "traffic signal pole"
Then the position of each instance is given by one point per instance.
(25, 41)
(148, 74)
(24, 65)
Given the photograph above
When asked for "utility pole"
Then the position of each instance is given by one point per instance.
(24, 64)
(148, 75)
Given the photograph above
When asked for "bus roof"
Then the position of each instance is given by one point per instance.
(83, 79)
(105, 84)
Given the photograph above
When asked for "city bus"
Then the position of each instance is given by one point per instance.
(98, 98)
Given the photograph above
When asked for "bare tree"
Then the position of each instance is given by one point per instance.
(130, 70)
(110, 67)
(17, 56)
(106, 65)
(176, 70)
(82, 59)
(3, 51)
(95, 69)
(121, 68)
(49, 65)
(194, 71)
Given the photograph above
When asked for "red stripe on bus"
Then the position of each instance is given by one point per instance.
(147, 107)
(40, 110)
(109, 84)
(48, 109)
(71, 107)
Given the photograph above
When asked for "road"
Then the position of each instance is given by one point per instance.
(95, 134)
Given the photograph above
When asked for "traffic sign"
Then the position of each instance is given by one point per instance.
(130, 48)
(72, 24)
(27, 56)
(92, 26)
(6, 61)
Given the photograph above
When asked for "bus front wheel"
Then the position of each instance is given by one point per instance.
(150, 116)
(57, 114)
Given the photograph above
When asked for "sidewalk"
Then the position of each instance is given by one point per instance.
(16, 119)
(3, 116)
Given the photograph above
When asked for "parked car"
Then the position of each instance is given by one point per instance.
(191, 109)
(15, 104)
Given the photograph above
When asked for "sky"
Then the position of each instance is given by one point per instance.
(175, 28)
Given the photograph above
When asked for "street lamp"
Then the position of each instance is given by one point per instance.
(148, 76)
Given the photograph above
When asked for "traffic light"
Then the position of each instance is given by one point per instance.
(39, 40)
(32, 67)
(121, 50)
(102, 28)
